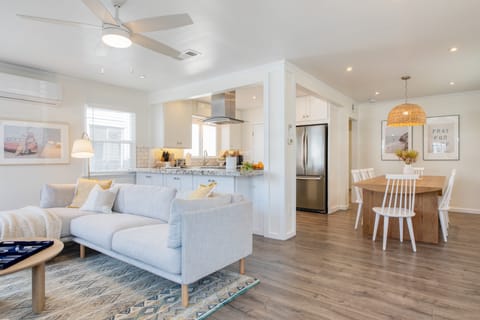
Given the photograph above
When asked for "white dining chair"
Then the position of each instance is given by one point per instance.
(356, 176)
(444, 205)
(364, 174)
(371, 173)
(398, 202)
(418, 171)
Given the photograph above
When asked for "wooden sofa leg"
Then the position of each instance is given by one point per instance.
(185, 295)
(242, 266)
(82, 251)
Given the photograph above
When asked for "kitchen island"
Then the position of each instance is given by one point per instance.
(248, 183)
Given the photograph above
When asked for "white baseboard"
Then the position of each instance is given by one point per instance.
(338, 208)
(464, 210)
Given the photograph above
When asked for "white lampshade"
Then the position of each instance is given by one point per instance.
(82, 148)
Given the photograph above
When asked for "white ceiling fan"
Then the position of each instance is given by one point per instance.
(118, 34)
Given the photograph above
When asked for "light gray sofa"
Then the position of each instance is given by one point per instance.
(181, 240)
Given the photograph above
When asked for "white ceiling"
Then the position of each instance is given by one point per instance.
(380, 39)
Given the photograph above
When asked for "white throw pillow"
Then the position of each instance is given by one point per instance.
(180, 205)
(100, 200)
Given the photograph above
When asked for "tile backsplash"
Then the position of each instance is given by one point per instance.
(143, 157)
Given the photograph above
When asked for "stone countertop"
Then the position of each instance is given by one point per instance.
(202, 171)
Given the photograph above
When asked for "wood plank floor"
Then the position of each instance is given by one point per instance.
(330, 271)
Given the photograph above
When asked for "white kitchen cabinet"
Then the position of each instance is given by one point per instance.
(172, 125)
(310, 110)
(224, 184)
(181, 182)
(145, 178)
(254, 189)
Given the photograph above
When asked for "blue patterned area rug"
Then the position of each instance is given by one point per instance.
(100, 287)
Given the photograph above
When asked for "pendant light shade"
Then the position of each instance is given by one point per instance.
(406, 114)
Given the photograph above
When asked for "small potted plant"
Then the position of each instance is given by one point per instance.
(409, 157)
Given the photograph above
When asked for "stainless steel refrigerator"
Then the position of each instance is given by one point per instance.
(312, 168)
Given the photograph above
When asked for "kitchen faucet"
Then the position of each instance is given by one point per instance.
(205, 155)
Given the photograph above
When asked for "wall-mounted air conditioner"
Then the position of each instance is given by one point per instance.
(29, 89)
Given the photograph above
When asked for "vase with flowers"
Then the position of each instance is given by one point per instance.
(409, 157)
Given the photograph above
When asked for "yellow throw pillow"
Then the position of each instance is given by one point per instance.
(203, 191)
(84, 186)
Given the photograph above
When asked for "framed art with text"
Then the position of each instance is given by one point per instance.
(393, 139)
(26, 142)
(441, 138)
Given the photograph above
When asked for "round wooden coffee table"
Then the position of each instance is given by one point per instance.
(37, 263)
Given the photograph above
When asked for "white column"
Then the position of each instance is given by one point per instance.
(279, 98)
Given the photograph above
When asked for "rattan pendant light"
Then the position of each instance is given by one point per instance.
(406, 114)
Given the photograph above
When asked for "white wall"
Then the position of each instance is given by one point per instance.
(465, 195)
(338, 160)
(20, 185)
(338, 136)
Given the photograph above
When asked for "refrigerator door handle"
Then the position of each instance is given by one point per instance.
(304, 151)
(309, 178)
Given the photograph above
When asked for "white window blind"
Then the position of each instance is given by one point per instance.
(113, 137)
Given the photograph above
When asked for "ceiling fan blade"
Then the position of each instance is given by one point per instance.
(159, 23)
(100, 11)
(155, 46)
(57, 21)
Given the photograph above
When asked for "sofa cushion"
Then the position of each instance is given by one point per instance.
(67, 215)
(99, 228)
(84, 186)
(202, 191)
(100, 200)
(147, 201)
(56, 195)
(148, 244)
(180, 205)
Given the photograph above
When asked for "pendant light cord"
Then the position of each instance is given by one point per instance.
(406, 78)
(406, 91)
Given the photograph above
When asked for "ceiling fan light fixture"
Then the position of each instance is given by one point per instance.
(116, 37)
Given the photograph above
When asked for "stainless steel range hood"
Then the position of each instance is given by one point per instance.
(223, 109)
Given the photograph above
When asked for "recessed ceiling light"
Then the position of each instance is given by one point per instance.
(254, 97)
(349, 69)
(452, 83)
(131, 70)
(377, 93)
(142, 76)
(102, 70)
(453, 49)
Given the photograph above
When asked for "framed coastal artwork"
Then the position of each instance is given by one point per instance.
(26, 142)
(441, 138)
(393, 139)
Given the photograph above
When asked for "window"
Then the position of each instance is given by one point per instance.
(204, 138)
(113, 137)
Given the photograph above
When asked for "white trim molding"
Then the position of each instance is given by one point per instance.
(464, 210)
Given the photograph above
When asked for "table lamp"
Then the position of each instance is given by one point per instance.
(83, 149)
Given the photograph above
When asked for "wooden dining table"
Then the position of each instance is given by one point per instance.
(425, 223)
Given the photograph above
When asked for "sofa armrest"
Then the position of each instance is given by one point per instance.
(214, 238)
(56, 195)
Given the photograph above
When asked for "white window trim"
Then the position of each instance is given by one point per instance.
(199, 120)
(133, 142)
